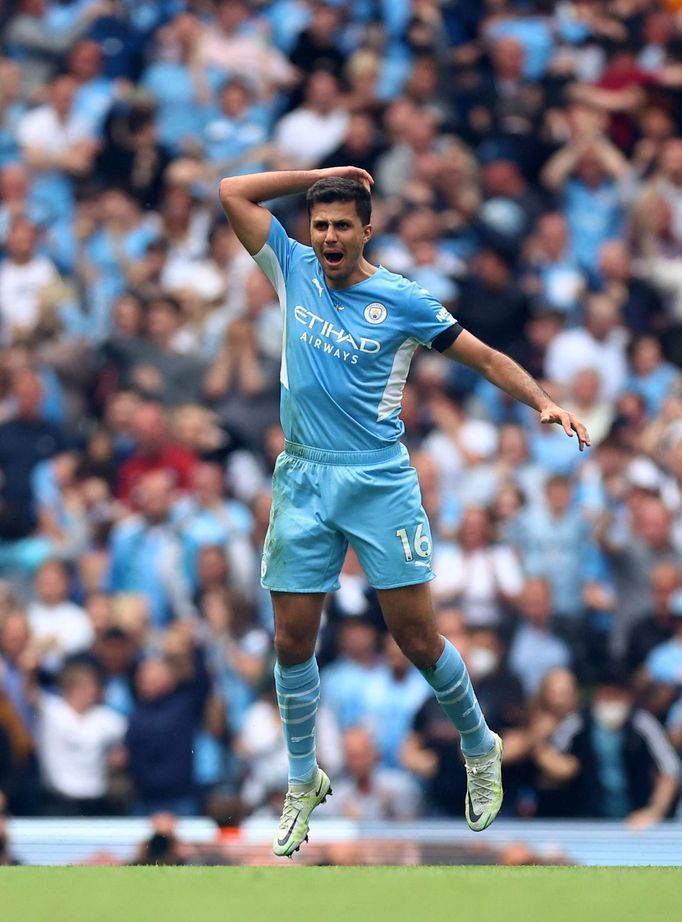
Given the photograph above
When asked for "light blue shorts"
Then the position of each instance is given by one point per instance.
(322, 501)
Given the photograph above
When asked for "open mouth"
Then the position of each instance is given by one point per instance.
(333, 257)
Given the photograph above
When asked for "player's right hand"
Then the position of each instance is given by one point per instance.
(350, 172)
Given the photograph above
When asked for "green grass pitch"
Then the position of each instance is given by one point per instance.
(308, 894)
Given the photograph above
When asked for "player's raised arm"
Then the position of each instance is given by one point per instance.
(515, 381)
(241, 196)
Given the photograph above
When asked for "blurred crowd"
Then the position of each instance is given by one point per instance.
(528, 167)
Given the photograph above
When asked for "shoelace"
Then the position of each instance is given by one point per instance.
(481, 783)
(293, 802)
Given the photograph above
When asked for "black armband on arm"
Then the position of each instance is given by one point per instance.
(445, 339)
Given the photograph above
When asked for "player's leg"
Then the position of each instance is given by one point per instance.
(302, 558)
(383, 518)
(297, 680)
(409, 616)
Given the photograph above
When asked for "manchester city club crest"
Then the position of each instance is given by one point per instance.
(375, 312)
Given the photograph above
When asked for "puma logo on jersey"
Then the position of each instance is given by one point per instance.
(318, 285)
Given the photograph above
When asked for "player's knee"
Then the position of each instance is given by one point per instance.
(419, 648)
(292, 646)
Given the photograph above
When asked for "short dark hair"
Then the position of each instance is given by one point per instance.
(338, 189)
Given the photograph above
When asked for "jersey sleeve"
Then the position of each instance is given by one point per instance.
(276, 255)
(431, 324)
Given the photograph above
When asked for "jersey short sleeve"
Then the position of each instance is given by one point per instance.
(277, 255)
(431, 324)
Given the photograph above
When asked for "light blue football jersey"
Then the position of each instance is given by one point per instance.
(345, 353)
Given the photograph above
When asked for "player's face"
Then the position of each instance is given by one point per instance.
(338, 237)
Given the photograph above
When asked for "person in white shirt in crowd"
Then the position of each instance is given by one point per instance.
(56, 144)
(77, 744)
(307, 135)
(601, 344)
(60, 628)
(25, 278)
(481, 577)
(584, 399)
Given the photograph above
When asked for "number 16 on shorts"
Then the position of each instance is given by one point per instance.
(420, 544)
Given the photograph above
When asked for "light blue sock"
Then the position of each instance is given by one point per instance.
(298, 694)
(450, 681)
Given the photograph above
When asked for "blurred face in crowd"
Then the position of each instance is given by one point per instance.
(657, 124)
(52, 583)
(485, 653)
(501, 178)
(149, 427)
(559, 692)
(27, 390)
(361, 134)
(590, 170)
(513, 447)
(231, 14)
(212, 569)
(491, 268)
(357, 640)
(207, 483)
(128, 317)
(81, 688)
(611, 706)
(508, 59)
(559, 492)
(163, 321)
(646, 355)
(552, 235)
(234, 98)
(116, 652)
(324, 22)
(652, 523)
(666, 579)
(602, 316)
(360, 754)
(586, 387)
(535, 603)
(154, 679)
(14, 635)
(100, 611)
(63, 90)
(85, 60)
(322, 92)
(120, 411)
(614, 261)
(154, 495)
(474, 530)
(13, 182)
(21, 242)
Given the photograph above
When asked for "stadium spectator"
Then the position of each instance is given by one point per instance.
(368, 791)
(535, 649)
(154, 451)
(615, 760)
(658, 626)
(160, 736)
(148, 556)
(78, 742)
(59, 628)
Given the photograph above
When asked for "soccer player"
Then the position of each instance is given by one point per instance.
(350, 330)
